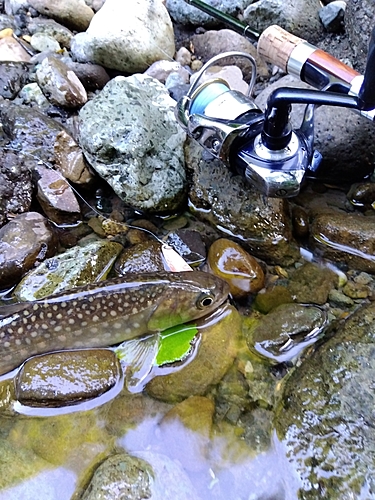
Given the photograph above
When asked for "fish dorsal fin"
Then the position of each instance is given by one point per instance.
(10, 309)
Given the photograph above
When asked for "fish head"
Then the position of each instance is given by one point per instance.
(189, 296)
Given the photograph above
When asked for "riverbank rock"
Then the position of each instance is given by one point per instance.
(300, 17)
(73, 14)
(325, 418)
(359, 22)
(126, 38)
(130, 137)
(183, 13)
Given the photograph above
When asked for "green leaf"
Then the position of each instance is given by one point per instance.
(175, 344)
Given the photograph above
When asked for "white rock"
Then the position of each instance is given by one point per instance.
(127, 36)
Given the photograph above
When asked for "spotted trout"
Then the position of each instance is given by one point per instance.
(106, 313)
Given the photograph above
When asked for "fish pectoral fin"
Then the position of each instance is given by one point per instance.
(137, 356)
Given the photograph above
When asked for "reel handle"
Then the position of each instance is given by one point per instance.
(367, 90)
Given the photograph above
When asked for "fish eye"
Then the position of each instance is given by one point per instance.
(205, 300)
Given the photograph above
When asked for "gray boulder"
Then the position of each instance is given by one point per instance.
(130, 137)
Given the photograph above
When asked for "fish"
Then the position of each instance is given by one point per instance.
(106, 313)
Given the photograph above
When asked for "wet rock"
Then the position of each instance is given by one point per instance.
(77, 266)
(332, 16)
(184, 13)
(189, 244)
(32, 94)
(362, 195)
(13, 75)
(347, 238)
(74, 14)
(218, 196)
(51, 28)
(69, 160)
(33, 134)
(212, 43)
(359, 22)
(348, 152)
(130, 137)
(228, 260)
(299, 17)
(128, 40)
(141, 258)
(59, 84)
(67, 377)
(15, 185)
(326, 414)
(216, 352)
(285, 331)
(121, 476)
(56, 197)
(11, 50)
(25, 241)
(311, 283)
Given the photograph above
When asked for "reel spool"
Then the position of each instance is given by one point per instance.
(229, 125)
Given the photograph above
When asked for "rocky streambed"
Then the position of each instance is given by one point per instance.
(275, 398)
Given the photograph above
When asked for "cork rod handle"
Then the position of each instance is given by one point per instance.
(275, 46)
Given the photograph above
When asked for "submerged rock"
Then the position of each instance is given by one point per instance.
(120, 476)
(130, 137)
(325, 419)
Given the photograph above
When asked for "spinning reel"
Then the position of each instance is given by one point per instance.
(262, 146)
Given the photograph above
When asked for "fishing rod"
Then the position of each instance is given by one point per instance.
(262, 146)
